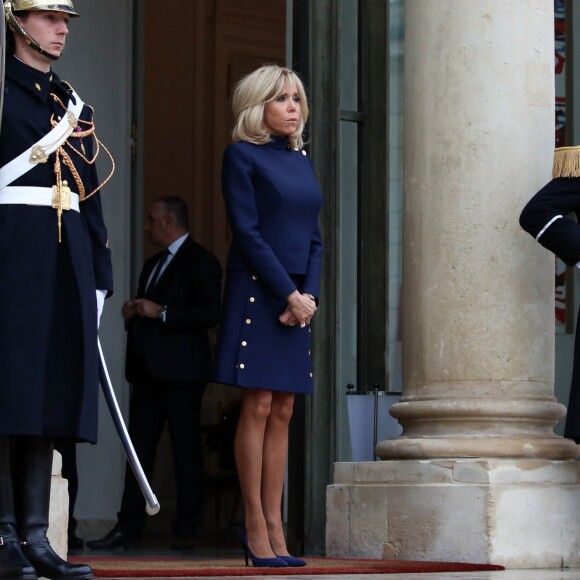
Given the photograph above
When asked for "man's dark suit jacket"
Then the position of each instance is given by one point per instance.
(177, 349)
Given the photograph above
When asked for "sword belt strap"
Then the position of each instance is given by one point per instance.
(23, 195)
(39, 152)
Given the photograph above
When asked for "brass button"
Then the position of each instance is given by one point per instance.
(242, 366)
(254, 277)
(248, 321)
(252, 299)
(303, 152)
(310, 375)
(37, 87)
(244, 343)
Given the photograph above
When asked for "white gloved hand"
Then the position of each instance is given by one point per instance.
(101, 294)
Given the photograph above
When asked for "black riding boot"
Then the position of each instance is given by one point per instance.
(32, 505)
(13, 565)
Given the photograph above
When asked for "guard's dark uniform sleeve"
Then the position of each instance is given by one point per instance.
(546, 217)
(92, 211)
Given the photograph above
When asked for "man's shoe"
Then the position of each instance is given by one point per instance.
(116, 538)
(74, 542)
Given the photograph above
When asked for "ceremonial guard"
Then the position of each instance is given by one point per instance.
(551, 217)
(55, 272)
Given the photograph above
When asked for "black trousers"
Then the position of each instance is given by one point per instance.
(572, 425)
(154, 403)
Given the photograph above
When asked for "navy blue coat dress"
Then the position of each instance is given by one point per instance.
(48, 312)
(546, 218)
(273, 202)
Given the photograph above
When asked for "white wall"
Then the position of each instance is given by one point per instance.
(98, 62)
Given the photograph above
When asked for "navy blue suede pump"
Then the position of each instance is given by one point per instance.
(258, 562)
(292, 561)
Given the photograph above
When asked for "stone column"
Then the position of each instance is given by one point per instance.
(478, 316)
(478, 466)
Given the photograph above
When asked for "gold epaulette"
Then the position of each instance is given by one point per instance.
(566, 162)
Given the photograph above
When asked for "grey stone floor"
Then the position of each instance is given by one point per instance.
(505, 575)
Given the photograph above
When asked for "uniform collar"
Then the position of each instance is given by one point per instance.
(36, 82)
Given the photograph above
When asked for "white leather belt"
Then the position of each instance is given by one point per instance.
(33, 196)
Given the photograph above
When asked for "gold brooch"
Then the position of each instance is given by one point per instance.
(72, 120)
(38, 155)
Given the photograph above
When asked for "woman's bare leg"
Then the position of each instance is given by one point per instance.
(274, 467)
(248, 451)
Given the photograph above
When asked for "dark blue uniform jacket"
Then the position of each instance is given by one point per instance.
(48, 324)
(549, 215)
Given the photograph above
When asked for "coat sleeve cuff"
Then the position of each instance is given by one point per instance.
(103, 269)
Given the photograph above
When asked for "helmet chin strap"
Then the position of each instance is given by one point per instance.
(18, 29)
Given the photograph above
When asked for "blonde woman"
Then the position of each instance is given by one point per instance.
(272, 285)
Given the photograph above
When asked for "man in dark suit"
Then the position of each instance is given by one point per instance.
(168, 363)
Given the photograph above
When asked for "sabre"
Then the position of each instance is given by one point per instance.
(152, 506)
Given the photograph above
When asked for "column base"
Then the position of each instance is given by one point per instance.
(551, 448)
(516, 513)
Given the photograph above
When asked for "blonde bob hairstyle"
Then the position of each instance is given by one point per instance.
(251, 94)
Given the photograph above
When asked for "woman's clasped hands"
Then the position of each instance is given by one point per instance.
(300, 310)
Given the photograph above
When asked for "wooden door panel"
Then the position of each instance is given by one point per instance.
(190, 70)
(247, 35)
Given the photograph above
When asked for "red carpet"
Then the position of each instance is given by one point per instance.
(144, 567)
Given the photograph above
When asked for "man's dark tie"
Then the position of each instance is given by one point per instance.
(160, 264)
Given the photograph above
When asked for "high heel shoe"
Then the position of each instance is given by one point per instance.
(292, 561)
(275, 562)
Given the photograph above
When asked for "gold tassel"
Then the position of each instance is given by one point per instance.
(566, 162)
